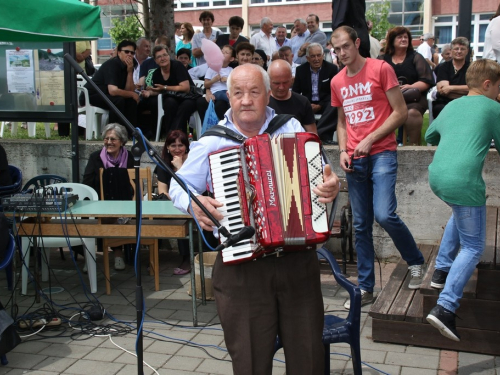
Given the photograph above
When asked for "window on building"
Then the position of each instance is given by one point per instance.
(446, 29)
(405, 12)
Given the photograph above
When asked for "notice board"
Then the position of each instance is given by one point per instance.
(35, 81)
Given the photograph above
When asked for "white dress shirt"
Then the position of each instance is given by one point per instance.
(264, 42)
(196, 169)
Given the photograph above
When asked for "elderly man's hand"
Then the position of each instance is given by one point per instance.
(329, 189)
(211, 205)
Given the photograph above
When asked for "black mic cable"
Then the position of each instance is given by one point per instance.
(244, 234)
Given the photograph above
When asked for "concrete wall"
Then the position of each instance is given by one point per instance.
(419, 208)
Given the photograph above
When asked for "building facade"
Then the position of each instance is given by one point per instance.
(437, 16)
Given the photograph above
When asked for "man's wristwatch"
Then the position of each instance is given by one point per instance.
(165, 88)
(341, 151)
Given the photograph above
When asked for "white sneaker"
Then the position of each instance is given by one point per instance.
(85, 270)
(366, 299)
(119, 264)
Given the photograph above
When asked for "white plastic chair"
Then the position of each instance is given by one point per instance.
(195, 117)
(84, 192)
(94, 115)
(431, 96)
(160, 117)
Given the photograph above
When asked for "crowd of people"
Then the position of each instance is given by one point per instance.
(365, 99)
(127, 78)
(133, 79)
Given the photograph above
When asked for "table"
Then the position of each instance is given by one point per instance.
(168, 222)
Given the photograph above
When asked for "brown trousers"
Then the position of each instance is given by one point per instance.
(260, 299)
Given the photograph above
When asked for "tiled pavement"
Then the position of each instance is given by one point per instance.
(172, 349)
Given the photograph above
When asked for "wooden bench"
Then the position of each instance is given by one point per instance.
(399, 312)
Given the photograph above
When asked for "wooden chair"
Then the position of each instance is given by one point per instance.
(154, 263)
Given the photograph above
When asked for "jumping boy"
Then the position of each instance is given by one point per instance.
(463, 132)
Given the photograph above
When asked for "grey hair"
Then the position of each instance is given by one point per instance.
(445, 47)
(313, 45)
(140, 40)
(301, 20)
(264, 21)
(265, 76)
(461, 41)
(120, 131)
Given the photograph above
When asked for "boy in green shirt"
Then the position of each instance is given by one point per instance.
(463, 131)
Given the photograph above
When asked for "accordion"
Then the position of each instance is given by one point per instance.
(267, 183)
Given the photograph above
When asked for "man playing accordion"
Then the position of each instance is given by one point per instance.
(260, 299)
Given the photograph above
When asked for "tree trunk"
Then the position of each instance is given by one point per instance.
(162, 20)
(146, 19)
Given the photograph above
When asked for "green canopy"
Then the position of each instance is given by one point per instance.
(49, 21)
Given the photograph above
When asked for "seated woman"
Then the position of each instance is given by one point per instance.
(115, 159)
(260, 58)
(171, 76)
(175, 152)
(413, 72)
(451, 76)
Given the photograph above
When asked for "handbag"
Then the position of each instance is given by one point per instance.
(193, 93)
(89, 66)
(411, 95)
(211, 118)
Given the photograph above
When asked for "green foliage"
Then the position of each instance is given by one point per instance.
(378, 13)
(126, 29)
(40, 133)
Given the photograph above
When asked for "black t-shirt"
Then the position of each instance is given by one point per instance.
(163, 176)
(5, 179)
(112, 72)
(298, 106)
(178, 74)
(446, 72)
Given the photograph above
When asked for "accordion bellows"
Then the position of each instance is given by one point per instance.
(267, 183)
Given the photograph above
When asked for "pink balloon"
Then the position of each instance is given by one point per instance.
(213, 54)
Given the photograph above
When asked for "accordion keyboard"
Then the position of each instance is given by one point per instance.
(225, 167)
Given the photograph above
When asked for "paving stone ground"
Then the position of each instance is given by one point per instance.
(172, 345)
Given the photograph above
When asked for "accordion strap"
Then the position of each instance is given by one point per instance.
(224, 132)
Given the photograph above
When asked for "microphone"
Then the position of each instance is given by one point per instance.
(244, 234)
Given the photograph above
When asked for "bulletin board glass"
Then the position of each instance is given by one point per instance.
(35, 81)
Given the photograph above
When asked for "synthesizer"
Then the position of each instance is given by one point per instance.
(39, 202)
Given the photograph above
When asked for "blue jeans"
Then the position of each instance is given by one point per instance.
(466, 229)
(221, 95)
(372, 192)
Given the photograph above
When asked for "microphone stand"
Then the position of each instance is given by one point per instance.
(137, 149)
